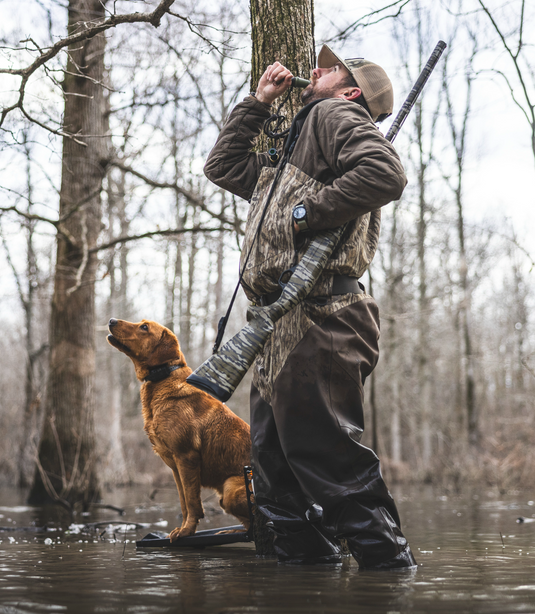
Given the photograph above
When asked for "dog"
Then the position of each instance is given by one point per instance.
(199, 438)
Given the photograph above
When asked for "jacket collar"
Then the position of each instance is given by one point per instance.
(295, 128)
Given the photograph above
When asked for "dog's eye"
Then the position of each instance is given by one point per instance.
(144, 327)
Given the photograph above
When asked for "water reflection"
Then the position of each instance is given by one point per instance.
(472, 557)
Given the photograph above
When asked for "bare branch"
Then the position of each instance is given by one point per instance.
(154, 233)
(190, 196)
(28, 216)
(88, 31)
(371, 19)
(530, 112)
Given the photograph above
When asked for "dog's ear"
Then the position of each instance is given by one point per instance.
(167, 349)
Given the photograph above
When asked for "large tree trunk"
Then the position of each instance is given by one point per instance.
(66, 465)
(282, 30)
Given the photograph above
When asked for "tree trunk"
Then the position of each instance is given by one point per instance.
(66, 465)
(392, 358)
(282, 30)
(424, 378)
(116, 471)
(459, 136)
(32, 392)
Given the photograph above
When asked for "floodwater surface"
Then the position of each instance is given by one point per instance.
(472, 556)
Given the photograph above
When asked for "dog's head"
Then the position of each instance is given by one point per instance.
(147, 343)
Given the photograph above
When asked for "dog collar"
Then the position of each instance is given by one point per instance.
(157, 374)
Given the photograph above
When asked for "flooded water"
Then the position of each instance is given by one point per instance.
(472, 557)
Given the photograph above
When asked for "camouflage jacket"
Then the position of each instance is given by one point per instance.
(342, 169)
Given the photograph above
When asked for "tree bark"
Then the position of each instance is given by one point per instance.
(283, 31)
(66, 464)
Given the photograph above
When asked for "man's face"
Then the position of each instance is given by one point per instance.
(325, 83)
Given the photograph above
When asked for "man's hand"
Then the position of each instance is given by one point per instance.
(273, 83)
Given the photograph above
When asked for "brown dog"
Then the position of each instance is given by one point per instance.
(199, 438)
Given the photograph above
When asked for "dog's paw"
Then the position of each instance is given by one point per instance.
(181, 532)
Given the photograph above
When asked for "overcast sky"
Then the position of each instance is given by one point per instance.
(501, 177)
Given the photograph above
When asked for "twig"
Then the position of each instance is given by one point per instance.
(364, 21)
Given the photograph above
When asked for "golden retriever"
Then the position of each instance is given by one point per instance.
(198, 437)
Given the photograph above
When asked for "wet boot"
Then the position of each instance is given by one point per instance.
(305, 543)
(298, 536)
(373, 535)
(304, 546)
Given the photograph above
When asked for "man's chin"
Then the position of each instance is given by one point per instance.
(308, 95)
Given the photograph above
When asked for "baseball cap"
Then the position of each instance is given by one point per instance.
(371, 79)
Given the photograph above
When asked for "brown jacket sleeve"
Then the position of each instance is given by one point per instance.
(231, 164)
(368, 169)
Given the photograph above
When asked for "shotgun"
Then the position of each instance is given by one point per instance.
(220, 375)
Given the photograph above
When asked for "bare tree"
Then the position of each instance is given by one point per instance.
(29, 285)
(66, 462)
(513, 24)
(415, 38)
(459, 135)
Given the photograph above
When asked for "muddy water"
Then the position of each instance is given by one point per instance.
(473, 557)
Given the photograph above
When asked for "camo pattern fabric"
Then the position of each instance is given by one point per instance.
(288, 332)
(275, 250)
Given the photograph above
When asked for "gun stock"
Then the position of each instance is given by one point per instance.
(220, 375)
(222, 372)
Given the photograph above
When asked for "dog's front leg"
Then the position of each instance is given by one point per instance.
(189, 471)
(183, 506)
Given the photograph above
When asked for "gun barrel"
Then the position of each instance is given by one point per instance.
(416, 91)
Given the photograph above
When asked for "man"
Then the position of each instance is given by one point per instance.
(314, 480)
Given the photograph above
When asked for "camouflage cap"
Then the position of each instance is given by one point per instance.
(371, 79)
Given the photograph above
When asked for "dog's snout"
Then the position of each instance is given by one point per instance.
(112, 322)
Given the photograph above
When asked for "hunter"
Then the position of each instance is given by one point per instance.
(314, 480)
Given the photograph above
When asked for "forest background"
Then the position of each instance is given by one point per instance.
(451, 401)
